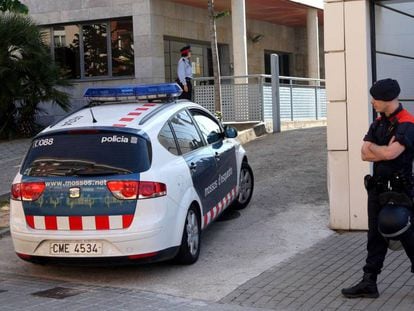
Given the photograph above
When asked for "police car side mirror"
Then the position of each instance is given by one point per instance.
(213, 137)
(230, 132)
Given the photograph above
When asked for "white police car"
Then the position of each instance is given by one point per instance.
(127, 179)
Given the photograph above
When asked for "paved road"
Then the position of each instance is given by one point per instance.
(288, 213)
(278, 254)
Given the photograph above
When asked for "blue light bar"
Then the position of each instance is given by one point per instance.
(146, 91)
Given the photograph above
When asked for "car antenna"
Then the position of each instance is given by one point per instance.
(93, 117)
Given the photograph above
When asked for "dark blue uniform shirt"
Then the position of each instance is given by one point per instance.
(401, 125)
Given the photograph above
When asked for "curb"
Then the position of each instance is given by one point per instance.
(4, 232)
(251, 134)
(5, 197)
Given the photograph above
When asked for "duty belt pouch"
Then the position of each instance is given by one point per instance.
(376, 184)
(368, 182)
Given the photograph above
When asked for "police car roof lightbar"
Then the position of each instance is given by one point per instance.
(146, 91)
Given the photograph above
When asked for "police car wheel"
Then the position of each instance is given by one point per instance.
(246, 186)
(190, 243)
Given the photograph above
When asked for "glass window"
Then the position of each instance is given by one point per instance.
(200, 58)
(205, 123)
(394, 34)
(66, 48)
(86, 50)
(95, 49)
(122, 44)
(186, 132)
(95, 154)
(166, 139)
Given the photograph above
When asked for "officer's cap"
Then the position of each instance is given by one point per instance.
(386, 89)
(185, 49)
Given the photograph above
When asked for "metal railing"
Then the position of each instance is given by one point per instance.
(249, 98)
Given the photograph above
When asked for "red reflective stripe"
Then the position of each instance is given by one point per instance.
(142, 108)
(126, 119)
(119, 125)
(205, 220)
(127, 220)
(75, 222)
(51, 222)
(212, 213)
(134, 113)
(30, 221)
(405, 116)
(132, 257)
(102, 222)
(149, 105)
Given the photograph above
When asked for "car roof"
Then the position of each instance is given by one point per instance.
(136, 107)
(119, 115)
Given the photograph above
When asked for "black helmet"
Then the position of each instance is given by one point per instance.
(394, 220)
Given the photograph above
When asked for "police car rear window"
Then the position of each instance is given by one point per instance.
(90, 154)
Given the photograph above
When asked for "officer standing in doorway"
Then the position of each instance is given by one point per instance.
(389, 144)
(185, 72)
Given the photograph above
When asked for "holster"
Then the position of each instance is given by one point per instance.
(374, 183)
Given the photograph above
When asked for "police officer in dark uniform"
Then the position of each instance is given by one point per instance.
(389, 144)
(185, 72)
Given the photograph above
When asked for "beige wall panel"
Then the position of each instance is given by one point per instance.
(335, 76)
(358, 81)
(337, 126)
(334, 26)
(338, 186)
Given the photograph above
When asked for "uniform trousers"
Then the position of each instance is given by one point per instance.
(186, 95)
(377, 245)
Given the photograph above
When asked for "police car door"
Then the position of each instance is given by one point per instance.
(198, 156)
(224, 154)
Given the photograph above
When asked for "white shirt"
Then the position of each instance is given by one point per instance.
(184, 70)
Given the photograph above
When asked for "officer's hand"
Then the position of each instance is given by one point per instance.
(186, 88)
(392, 140)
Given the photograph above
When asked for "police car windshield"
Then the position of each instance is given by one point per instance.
(92, 154)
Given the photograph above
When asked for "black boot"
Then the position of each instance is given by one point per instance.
(367, 288)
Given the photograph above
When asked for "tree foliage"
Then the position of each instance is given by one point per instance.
(14, 6)
(28, 75)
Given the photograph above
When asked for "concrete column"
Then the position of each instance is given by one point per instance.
(148, 42)
(313, 43)
(238, 25)
(238, 20)
(348, 77)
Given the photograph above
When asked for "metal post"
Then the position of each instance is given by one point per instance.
(274, 60)
(291, 98)
(261, 87)
(316, 102)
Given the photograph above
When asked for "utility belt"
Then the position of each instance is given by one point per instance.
(395, 183)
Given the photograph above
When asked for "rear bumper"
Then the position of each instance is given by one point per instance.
(153, 230)
(153, 257)
(114, 244)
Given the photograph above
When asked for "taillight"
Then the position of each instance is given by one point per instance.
(149, 189)
(28, 191)
(131, 190)
(123, 190)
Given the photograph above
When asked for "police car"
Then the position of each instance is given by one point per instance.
(135, 175)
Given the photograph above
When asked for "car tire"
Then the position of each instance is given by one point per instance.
(246, 186)
(190, 242)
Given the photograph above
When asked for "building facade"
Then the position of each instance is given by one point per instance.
(364, 41)
(108, 42)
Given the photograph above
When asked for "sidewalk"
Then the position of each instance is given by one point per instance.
(313, 279)
(310, 280)
(11, 155)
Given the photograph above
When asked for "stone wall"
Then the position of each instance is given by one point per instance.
(155, 19)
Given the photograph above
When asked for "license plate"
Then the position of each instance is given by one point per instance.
(75, 248)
